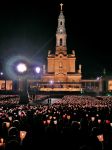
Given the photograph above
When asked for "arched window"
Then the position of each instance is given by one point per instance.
(60, 42)
(61, 23)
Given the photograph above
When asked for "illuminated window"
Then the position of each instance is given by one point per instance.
(3, 86)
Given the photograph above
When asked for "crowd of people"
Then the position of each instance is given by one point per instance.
(73, 122)
(6, 100)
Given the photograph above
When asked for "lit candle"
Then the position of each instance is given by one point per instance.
(99, 120)
(50, 117)
(111, 124)
(100, 137)
(55, 122)
(22, 135)
(93, 118)
(44, 122)
(86, 115)
(97, 115)
(10, 118)
(68, 117)
(54, 117)
(1, 140)
(2, 144)
(7, 124)
(48, 121)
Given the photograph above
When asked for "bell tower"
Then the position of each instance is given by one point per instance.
(61, 66)
(61, 35)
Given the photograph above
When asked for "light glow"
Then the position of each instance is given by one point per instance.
(21, 67)
(37, 69)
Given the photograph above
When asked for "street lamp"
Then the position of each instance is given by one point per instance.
(51, 86)
(21, 69)
(23, 90)
(37, 71)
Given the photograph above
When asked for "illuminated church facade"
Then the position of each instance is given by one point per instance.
(61, 73)
(61, 66)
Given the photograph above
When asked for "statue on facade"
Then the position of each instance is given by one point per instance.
(61, 6)
(73, 52)
(80, 67)
(44, 69)
(49, 52)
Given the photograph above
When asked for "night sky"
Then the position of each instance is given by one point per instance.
(27, 30)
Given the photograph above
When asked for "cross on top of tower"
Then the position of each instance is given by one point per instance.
(61, 6)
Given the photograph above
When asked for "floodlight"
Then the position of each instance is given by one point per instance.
(37, 69)
(21, 67)
(1, 73)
